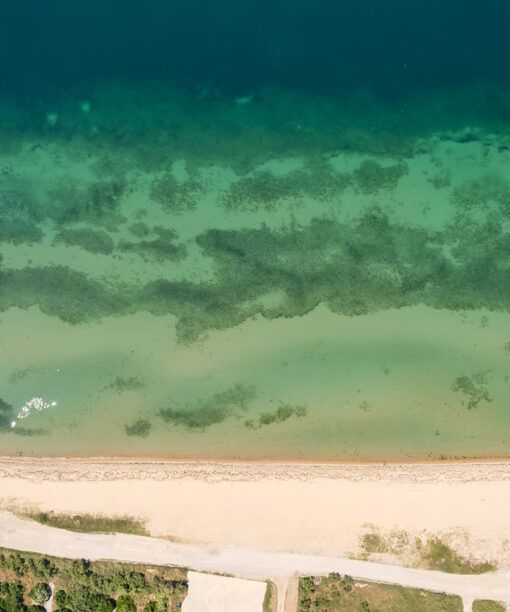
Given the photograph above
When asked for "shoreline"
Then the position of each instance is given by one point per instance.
(314, 508)
(133, 468)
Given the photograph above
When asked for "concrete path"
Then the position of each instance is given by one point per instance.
(244, 563)
(49, 603)
(212, 593)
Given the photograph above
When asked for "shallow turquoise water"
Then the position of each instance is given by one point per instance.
(297, 291)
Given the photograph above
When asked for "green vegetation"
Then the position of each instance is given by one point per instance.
(86, 523)
(439, 556)
(431, 554)
(270, 598)
(488, 605)
(336, 593)
(82, 586)
(373, 543)
(125, 604)
(40, 593)
(213, 410)
(281, 414)
(140, 428)
(61, 598)
(93, 241)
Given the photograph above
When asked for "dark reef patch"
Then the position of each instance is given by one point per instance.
(215, 409)
(6, 415)
(317, 180)
(280, 415)
(371, 177)
(161, 248)
(93, 241)
(140, 428)
(30, 432)
(174, 196)
(98, 203)
(482, 191)
(139, 229)
(17, 224)
(121, 385)
(61, 292)
(474, 388)
(354, 268)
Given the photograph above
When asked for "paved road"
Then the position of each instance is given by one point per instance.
(245, 563)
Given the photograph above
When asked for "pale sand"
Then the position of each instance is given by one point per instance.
(210, 593)
(304, 508)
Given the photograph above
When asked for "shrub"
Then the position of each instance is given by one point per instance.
(61, 598)
(40, 593)
(125, 604)
(440, 556)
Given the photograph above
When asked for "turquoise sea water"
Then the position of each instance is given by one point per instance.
(268, 249)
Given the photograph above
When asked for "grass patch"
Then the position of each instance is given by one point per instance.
(433, 553)
(270, 598)
(87, 523)
(373, 543)
(440, 556)
(488, 605)
(337, 593)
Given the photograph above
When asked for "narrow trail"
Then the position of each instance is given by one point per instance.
(244, 563)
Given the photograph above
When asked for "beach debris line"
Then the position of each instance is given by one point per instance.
(36, 403)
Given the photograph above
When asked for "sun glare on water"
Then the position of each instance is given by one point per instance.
(36, 403)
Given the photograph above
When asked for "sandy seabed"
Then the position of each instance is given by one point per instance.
(309, 508)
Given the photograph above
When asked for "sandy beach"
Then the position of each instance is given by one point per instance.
(308, 508)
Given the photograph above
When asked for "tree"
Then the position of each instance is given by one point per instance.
(13, 601)
(125, 604)
(40, 593)
(61, 599)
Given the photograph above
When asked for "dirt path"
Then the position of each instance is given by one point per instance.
(244, 563)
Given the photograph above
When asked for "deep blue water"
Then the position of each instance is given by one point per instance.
(390, 47)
